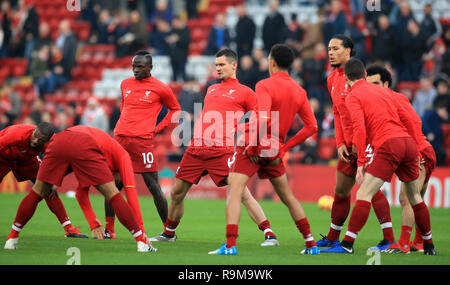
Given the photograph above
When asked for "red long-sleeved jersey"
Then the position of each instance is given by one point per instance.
(280, 93)
(420, 137)
(225, 104)
(141, 102)
(15, 143)
(337, 86)
(119, 161)
(376, 117)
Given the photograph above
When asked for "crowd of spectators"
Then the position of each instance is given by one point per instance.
(415, 51)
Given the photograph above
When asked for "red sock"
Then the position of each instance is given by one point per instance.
(405, 235)
(24, 213)
(422, 218)
(265, 227)
(232, 234)
(109, 223)
(56, 206)
(418, 236)
(170, 227)
(126, 217)
(303, 227)
(358, 219)
(339, 213)
(381, 207)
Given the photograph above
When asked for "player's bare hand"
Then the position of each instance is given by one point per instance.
(342, 152)
(98, 232)
(53, 192)
(359, 175)
(253, 158)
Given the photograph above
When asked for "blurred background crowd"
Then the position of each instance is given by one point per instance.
(62, 64)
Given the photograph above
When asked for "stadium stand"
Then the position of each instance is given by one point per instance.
(98, 71)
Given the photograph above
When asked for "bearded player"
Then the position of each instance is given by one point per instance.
(340, 49)
(20, 147)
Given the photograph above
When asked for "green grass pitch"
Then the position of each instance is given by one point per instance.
(202, 229)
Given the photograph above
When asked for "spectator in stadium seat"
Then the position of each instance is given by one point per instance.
(424, 96)
(40, 64)
(219, 36)
(67, 43)
(30, 28)
(37, 110)
(15, 103)
(314, 73)
(326, 125)
(432, 128)
(178, 41)
(105, 34)
(313, 35)
(135, 37)
(273, 27)
(191, 8)
(245, 32)
(44, 37)
(359, 34)
(247, 72)
(443, 92)
(157, 37)
(94, 115)
(163, 10)
(5, 20)
(383, 40)
(294, 34)
(336, 21)
(430, 27)
(413, 48)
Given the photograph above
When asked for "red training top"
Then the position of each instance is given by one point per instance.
(376, 116)
(281, 94)
(140, 105)
(404, 101)
(225, 104)
(118, 160)
(337, 86)
(15, 143)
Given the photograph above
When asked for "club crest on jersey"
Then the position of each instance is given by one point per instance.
(146, 97)
(127, 93)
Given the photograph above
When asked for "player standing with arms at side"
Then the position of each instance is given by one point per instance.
(20, 146)
(142, 99)
(90, 167)
(281, 94)
(340, 49)
(378, 118)
(381, 76)
(229, 100)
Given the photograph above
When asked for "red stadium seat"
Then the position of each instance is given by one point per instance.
(446, 133)
(408, 89)
(327, 148)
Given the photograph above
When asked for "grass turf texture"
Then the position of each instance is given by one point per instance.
(202, 229)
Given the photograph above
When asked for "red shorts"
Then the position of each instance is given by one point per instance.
(198, 162)
(350, 167)
(141, 153)
(265, 170)
(430, 161)
(73, 151)
(396, 155)
(22, 170)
